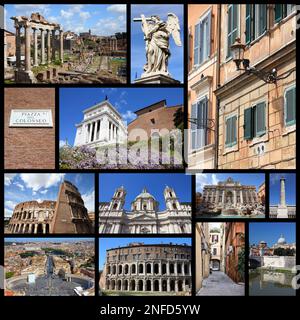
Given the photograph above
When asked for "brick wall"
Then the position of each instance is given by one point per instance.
(29, 148)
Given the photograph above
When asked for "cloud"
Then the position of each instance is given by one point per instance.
(129, 115)
(119, 8)
(19, 185)
(89, 200)
(10, 204)
(85, 15)
(8, 178)
(28, 9)
(66, 14)
(44, 191)
(214, 179)
(110, 25)
(201, 181)
(38, 181)
(62, 143)
(8, 213)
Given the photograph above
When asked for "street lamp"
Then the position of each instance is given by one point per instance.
(238, 51)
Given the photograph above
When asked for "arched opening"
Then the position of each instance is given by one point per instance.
(126, 269)
(164, 285)
(187, 283)
(171, 268)
(47, 228)
(120, 269)
(40, 228)
(133, 269)
(180, 288)
(148, 268)
(156, 268)
(115, 206)
(119, 287)
(107, 284)
(114, 270)
(141, 268)
(148, 285)
(132, 285)
(179, 269)
(172, 285)
(156, 285)
(186, 269)
(164, 268)
(140, 285)
(26, 228)
(108, 269)
(174, 206)
(125, 285)
(113, 285)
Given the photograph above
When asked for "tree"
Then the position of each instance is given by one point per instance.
(178, 119)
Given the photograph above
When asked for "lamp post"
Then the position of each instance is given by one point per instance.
(238, 51)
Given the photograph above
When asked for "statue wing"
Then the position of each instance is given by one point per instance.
(173, 28)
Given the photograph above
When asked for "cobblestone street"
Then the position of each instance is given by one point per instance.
(219, 284)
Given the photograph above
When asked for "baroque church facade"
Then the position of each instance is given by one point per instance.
(144, 216)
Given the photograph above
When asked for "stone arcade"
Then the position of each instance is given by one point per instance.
(144, 216)
(230, 198)
(102, 124)
(48, 34)
(66, 215)
(148, 267)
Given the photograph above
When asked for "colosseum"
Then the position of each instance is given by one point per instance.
(145, 268)
(66, 215)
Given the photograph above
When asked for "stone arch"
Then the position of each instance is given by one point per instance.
(115, 206)
(156, 268)
(172, 268)
(47, 228)
(156, 285)
(108, 269)
(140, 285)
(126, 269)
(148, 268)
(164, 268)
(141, 268)
(179, 268)
(26, 230)
(40, 228)
(180, 285)
(172, 285)
(186, 268)
(114, 269)
(113, 285)
(164, 285)
(132, 285)
(119, 285)
(133, 269)
(107, 284)
(125, 285)
(120, 269)
(148, 285)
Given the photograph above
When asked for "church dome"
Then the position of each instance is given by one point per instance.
(281, 240)
(144, 195)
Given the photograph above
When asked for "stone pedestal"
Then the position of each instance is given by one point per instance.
(282, 212)
(22, 76)
(156, 79)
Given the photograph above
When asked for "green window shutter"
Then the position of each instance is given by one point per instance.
(260, 119)
(262, 18)
(193, 126)
(248, 23)
(290, 106)
(234, 135)
(208, 36)
(227, 140)
(248, 133)
(278, 12)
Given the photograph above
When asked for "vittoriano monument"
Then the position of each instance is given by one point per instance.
(157, 39)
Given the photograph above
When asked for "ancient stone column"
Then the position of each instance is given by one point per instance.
(53, 45)
(217, 197)
(18, 46)
(61, 46)
(42, 46)
(282, 192)
(27, 48)
(91, 130)
(223, 197)
(48, 47)
(35, 46)
(241, 196)
(234, 197)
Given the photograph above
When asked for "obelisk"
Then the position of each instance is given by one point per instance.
(282, 211)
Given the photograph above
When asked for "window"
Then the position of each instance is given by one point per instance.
(202, 39)
(256, 21)
(232, 32)
(152, 121)
(255, 121)
(290, 106)
(231, 136)
(214, 251)
(283, 10)
(199, 124)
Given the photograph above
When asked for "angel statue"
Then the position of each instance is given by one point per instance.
(157, 38)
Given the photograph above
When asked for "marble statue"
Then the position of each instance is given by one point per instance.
(157, 39)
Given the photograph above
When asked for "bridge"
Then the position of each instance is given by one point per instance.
(255, 262)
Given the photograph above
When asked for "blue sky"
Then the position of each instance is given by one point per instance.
(270, 232)
(100, 18)
(108, 243)
(290, 188)
(44, 186)
(126, 100)
(47, 239)
(253, 179)
(138, 57)
(155, 183)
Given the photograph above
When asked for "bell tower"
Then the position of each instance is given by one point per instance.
(172, 202)
(118, 200)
